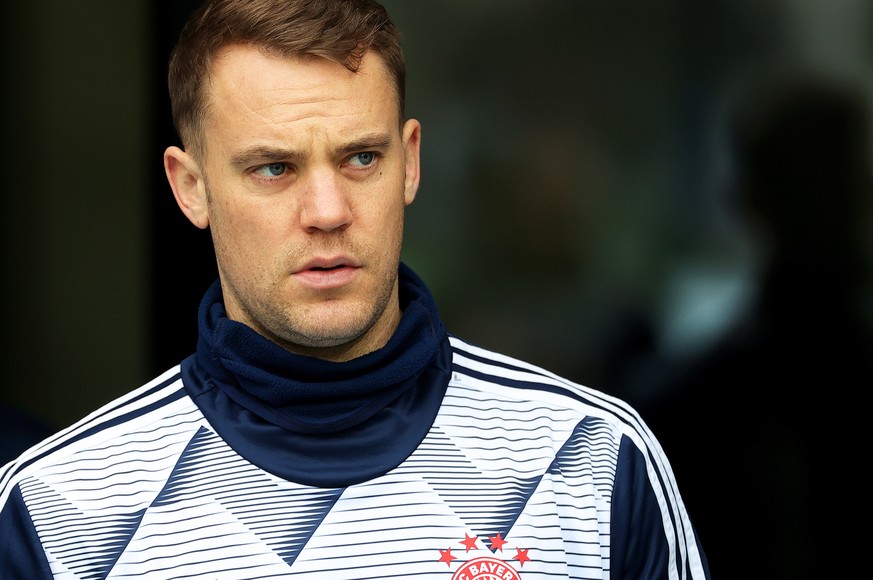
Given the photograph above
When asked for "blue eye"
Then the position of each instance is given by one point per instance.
(272, 169)
(365, 158)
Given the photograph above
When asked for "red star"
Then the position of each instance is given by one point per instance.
(469, 542)
(521, 556)
(446, 556)
(497, 542)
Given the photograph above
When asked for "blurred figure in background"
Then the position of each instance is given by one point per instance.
(765, 428)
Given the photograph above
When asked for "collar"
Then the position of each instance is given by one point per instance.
(256, 394)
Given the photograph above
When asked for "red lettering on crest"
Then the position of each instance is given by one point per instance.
(486, 568)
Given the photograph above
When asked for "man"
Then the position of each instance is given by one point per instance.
(328, 426)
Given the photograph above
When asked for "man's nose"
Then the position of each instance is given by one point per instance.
(325, 205)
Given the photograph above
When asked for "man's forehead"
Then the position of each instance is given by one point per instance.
(250, 78)
(248, 60)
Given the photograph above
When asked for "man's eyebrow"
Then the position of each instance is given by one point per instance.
(372, 141)
(262, 154)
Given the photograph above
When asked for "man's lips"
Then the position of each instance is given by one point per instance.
(326, 273)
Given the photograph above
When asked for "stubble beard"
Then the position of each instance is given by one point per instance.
(329, 324)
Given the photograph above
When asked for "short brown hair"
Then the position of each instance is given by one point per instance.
(338, 30)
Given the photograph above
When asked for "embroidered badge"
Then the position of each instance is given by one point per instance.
(485, 567)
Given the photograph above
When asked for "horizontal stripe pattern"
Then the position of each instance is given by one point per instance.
(519, 465)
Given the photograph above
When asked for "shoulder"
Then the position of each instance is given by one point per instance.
(507, 377)
(95, 441)
(529, 397)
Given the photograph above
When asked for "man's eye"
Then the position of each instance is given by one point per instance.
(271, 170)
(363, 159)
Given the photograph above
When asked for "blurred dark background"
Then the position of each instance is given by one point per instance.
(670, 201)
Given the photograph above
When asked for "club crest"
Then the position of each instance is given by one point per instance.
(485, 567)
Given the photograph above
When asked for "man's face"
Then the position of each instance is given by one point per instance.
(305, 178)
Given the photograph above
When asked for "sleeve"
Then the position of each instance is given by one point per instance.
(21, 554)
(650, 532)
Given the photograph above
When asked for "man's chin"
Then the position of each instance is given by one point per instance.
(331, 349)
(327, 338)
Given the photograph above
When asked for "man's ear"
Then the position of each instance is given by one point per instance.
(412, 154)
(189, 187)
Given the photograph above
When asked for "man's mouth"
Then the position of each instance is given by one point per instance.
(327, 274)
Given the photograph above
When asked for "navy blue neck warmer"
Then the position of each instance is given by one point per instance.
(315, 421)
